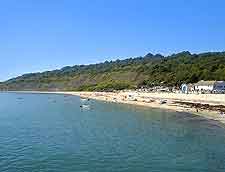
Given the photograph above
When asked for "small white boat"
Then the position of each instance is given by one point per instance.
(85, 107)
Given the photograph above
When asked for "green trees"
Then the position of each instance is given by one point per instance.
(150, 70)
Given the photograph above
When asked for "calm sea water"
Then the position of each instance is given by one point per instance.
(50, 133)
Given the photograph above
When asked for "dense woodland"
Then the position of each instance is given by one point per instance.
(150, 70)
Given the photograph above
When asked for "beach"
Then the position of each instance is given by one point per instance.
(210, 106)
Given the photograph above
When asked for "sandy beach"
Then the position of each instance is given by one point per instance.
(210, 106)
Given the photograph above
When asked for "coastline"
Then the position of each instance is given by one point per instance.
(201, 105)
(152, 102)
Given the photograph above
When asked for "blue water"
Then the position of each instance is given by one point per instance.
(50, 133)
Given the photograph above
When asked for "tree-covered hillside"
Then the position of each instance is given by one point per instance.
(150, 70)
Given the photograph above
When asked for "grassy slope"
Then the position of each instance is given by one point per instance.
(149, 70)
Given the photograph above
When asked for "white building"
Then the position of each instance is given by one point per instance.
(184, 88)
(210, 86)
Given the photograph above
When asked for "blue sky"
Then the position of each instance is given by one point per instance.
(38, 35)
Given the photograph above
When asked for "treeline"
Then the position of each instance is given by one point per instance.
(150, 70)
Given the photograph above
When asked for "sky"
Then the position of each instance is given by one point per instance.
(39, 35)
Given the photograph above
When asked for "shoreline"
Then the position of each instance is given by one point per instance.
(169, 105)
(208, 108)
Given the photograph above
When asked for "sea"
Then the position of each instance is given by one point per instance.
(62, 133)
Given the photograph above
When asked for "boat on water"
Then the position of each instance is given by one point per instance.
(87, 107)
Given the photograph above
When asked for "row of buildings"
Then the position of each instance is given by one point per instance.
(204, 87)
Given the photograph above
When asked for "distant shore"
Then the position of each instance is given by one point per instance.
(210, 106)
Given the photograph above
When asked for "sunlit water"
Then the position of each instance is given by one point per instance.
(51, 133)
